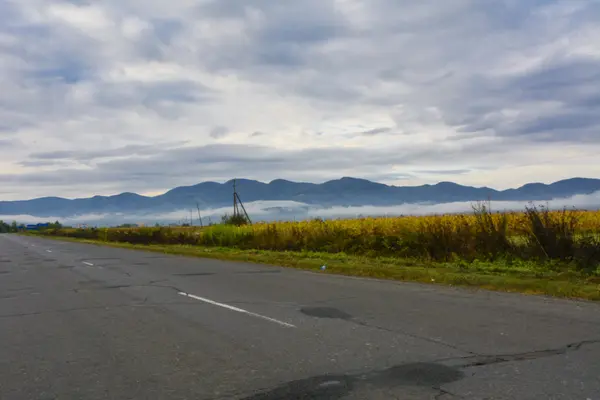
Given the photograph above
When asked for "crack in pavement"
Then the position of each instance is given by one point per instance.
(143, 304)
(125, 286)
(474, 359)
(443, 392)
(328, 312)
(433, 375)
(22, 289)
(414, 336)
(153, 282)
(485, 360)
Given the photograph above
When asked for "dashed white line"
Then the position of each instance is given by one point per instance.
(236, 309)
(87, 263)
(49, 251)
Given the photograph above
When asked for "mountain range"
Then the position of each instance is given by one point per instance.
(340, 192)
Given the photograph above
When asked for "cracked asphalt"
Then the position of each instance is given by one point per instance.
(82, 321)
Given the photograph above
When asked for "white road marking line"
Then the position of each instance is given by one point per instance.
(236, 309)
(49, 251)
(87, 263)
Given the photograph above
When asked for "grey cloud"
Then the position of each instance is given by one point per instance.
(400, 42)
(439, 63)
(54, 155)
(155, 43)
(65, 70)
(162, 97)
(48, 52)
(219, 131)
(575, 120)
(325, 89)
(286, 21)
(6, 143)
(212, 158)
(294, 24)
(552, 82)
(257, 133)
(166, 29)
(408, 53)
(88, 155)
(38, 66)
(221, 162)
(376, 131)
(43, 61)
(41, 163)
(573, 86)
(283, 38)
(444, 171)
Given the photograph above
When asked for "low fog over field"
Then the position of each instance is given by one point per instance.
(291, 210)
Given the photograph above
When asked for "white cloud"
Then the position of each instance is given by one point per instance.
(505, 91)
(88, 19)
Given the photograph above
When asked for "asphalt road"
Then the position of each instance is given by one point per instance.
(88, 322)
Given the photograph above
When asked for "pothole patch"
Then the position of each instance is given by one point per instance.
(400, 378)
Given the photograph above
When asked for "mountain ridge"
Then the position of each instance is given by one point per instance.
(346, 191)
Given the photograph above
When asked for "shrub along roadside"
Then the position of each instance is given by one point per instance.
(539, 235)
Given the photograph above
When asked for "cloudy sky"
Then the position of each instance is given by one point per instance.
(105, 96)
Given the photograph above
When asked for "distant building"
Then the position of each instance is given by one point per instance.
(36, 227)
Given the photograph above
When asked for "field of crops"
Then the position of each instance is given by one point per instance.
(564, 236)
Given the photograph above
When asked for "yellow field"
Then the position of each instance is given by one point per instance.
(566, 236)
(517, 224)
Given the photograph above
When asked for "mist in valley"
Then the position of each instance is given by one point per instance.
(292, 210)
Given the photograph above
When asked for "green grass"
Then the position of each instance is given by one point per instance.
(554, 279)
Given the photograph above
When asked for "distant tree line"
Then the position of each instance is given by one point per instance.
(6, 228)
(14, 227)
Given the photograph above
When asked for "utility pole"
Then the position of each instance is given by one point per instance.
(199, 216)
(237, 203)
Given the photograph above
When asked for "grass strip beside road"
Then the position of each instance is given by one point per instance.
(522, 277)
